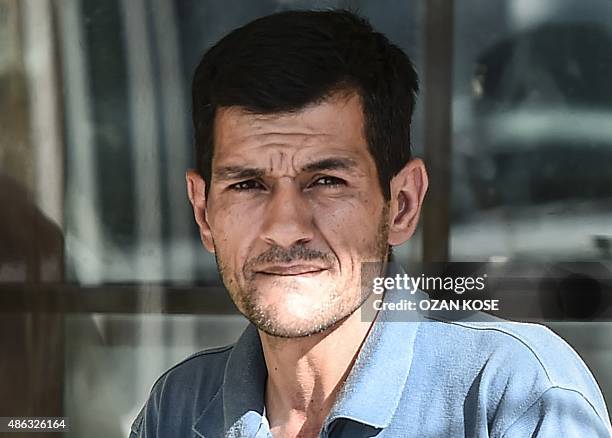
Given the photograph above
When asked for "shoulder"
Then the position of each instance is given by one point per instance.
(186, 387)
(518, 364)
(560, 412)
(533, 345)
(521, 348)
(202, 370)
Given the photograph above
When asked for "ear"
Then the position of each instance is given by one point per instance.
(408, 189)
(197, 196)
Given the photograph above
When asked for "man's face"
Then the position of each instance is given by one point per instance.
(294, 208)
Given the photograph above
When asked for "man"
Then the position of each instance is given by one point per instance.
(304, 173)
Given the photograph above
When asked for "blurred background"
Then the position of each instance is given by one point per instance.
(103, 281)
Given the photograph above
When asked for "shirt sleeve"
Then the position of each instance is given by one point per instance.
(560, 413)
(138, 429)
(145, 424)
(136, 426)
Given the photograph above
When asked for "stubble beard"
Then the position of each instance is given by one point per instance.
(341, 303)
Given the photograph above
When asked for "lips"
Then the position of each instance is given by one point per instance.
(292, 270)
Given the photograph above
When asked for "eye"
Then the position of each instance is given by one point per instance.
(329, 181)
(247, 185)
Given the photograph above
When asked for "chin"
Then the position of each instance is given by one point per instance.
(298, 316)
(293, 329)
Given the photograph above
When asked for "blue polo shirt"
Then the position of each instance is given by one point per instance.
(423, 377)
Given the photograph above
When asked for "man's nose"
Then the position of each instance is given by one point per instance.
(288, 218)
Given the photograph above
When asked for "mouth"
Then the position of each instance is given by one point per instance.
(302, 270)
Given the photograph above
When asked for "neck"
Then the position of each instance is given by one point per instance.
(306, 374)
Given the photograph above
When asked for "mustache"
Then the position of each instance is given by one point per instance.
(277, 254)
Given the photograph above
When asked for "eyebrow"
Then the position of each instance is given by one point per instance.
(238, 172)
(330, 164)
(241, 172)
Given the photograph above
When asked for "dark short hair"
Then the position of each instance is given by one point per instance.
(288, 60)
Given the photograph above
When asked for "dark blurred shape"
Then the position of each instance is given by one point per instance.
(604, 244)
(31, 247)
(32, 359)
(580, 296)
(576, 291)
(543, 102)
(550, 64)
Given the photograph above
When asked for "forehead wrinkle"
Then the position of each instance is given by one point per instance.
(343, 163)
(278, 141)
(288, 139)
(282, 149)
(244, 127)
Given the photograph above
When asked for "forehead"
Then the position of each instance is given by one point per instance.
(334, 126)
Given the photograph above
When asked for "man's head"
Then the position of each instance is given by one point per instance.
(302, 128)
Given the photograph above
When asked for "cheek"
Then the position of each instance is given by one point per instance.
(233, 230)
(352, 223)
(231, 220)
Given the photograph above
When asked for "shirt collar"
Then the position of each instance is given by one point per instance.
(373, 389)
(379, 373)
(237, 408)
